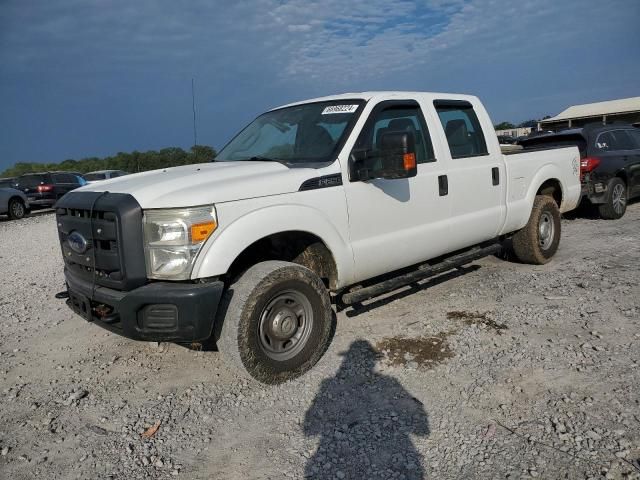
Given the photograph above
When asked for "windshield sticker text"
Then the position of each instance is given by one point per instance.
(340, 109)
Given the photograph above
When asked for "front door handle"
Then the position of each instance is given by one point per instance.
(495, 175)
(443, 185)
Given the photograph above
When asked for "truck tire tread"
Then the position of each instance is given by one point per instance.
(236, 323)
(526, 244)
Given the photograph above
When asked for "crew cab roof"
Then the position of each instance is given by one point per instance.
(386, 95)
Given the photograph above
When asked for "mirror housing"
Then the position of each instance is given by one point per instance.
(395, 159)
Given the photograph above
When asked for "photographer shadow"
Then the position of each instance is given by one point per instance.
(364, 420)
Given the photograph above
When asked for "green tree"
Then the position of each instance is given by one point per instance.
(528, 123)
(130, 162)
(504, 126)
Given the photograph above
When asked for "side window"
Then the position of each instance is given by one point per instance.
(635, 135)
(398, 119)
(462, 129)
(605, 141)
(59, 178)
(623, 140)
(615, 140)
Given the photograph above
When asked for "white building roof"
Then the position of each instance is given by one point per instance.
(622, 105)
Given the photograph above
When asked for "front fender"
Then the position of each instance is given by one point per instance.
(225, 245)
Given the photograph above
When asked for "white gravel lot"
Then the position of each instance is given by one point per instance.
(501, 371)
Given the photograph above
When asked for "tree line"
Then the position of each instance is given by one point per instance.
(129, 162)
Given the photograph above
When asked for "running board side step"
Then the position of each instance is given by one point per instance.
(421, 273)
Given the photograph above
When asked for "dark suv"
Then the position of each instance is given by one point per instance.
(609, 165)
(44, 189)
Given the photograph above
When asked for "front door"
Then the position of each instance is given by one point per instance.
(400, 222)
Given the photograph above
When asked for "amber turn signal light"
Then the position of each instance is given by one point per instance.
(409, 161)
(201, 231)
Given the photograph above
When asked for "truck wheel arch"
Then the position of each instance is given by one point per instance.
(552, 188)
(278, 233)
(295, 246)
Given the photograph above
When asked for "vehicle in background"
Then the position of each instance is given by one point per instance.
(12, 201)
(103, 175)
(506, 140)
(7, 182)
(337, 199)
(609, 163)
(44, 189)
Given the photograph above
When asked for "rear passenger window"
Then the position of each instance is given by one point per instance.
(623, 140)
(462, 129)
(635, 136)
(614, 141)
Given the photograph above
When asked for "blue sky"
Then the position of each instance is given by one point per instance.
(82, 78)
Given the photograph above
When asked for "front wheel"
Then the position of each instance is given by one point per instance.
(275, 322)
(538, 241)
(616, 202)
(17, 210)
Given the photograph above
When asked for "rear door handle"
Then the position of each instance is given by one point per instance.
(443, 185)
(495, 175)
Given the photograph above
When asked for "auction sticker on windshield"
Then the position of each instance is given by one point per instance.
(340, 109)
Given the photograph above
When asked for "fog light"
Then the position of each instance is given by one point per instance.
(160, 317)
(599, 187)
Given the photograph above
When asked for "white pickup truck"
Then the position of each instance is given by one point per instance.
(329, 201)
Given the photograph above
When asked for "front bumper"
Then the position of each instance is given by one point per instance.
(159, 311)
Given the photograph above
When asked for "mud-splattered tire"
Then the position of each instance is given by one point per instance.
(538, 241)
(616, 202)
(275, 322)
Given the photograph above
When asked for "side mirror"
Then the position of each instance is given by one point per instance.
(396, 158)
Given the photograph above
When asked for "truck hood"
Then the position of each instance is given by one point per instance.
(206, 183)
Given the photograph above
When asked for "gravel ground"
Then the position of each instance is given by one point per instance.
(499, 370)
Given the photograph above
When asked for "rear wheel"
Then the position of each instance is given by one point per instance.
(276, 321)
(538, 241)
(616, 203)
(17, 210)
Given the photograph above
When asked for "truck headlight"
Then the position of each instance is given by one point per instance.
(173, 238)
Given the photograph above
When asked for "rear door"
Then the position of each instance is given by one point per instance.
(618, 153)
(476, 178)
(633, 163)
(395, 223)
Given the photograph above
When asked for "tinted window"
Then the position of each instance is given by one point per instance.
(32, 180)
(623, 140)
(614, 140)
(635, 136)
(64, 178)
(405, 119)
(95, 176)
(462, 129)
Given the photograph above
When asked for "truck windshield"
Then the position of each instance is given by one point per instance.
(300, 134)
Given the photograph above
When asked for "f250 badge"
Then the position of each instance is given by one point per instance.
(576, 166)
(77, 242)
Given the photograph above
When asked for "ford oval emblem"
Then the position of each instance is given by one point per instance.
(77, 242)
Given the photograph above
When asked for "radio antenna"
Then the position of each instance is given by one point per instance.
(193, 105)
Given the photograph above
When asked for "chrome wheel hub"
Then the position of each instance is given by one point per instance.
(618, 198)
(546, 230)
(285, 325)
(17, 209)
